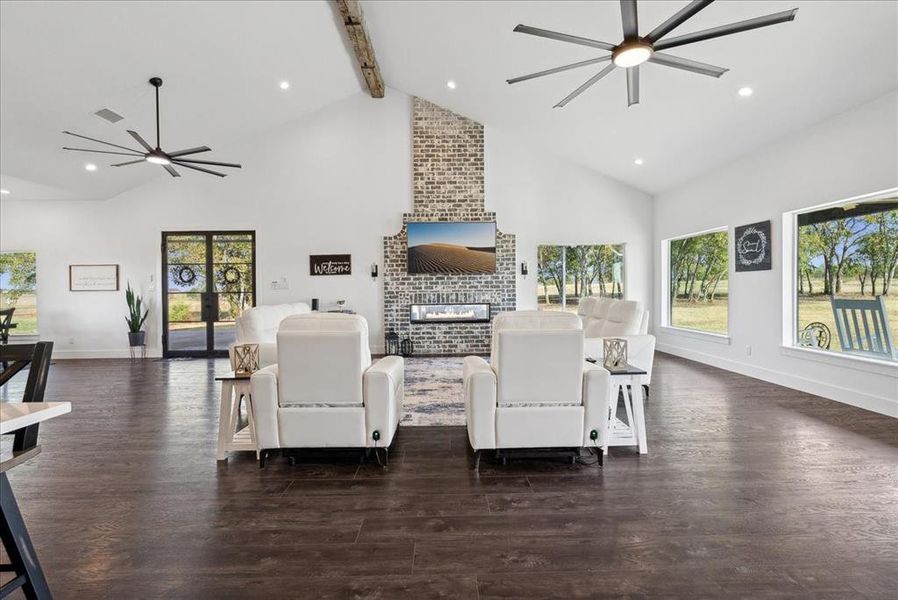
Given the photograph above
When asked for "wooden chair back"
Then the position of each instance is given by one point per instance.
(37, 358)
(863, 327)
(5, 324)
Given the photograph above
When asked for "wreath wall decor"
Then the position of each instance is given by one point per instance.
(753, 247)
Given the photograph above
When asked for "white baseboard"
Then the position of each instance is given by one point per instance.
(879, 404)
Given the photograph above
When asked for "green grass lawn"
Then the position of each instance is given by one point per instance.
(25, 316)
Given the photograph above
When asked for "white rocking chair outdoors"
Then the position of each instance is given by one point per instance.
(863, 327)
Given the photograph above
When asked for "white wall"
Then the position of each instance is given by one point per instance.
(544, 199)
(336, 181)
(851, 154)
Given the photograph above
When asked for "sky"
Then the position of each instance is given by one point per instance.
(472, 235)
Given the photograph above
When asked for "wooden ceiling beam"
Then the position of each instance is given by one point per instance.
(351, 14)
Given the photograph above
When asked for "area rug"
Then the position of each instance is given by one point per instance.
(433, 391)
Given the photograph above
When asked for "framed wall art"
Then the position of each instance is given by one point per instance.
(330, 264)
(93, 278)
(753, 247)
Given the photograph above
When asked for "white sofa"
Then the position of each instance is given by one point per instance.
(259, 325)
(324, 392)
(537, 391)
(607, 317)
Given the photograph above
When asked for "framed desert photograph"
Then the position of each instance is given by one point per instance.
(452, 248)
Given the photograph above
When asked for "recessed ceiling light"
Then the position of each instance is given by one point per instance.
(450, 84)
(5, 192)
(745, 92)
(90, 167)
(285, 85)
(638, 161)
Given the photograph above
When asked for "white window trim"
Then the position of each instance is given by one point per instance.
(790, 297)
(698, 334)
(666, 325)
(840, 359)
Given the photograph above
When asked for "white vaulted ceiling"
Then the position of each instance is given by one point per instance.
(222, 62)
(833, 56)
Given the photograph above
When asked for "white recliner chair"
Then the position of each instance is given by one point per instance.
(537, 391)
(259, 325)
(627, 319)
(324, 392)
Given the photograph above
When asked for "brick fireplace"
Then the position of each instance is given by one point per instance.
(447, 171)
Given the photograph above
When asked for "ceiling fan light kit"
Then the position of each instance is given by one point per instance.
(156, 155)
(635, 50)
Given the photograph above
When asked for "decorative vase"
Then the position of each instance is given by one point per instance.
(137, 338)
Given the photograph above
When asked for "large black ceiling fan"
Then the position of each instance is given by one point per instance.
(635, 49)
(156, 155)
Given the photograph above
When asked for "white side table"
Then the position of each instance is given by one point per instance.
(230, 438)
(627, 380)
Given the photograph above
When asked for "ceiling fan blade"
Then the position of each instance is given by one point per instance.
(588, 83)
(102, 151)
(171, 171)
(207, 162)
(84, 137)
(629, 19)
(563, 37)
(140, 140)
(748, 24)
(196, 150)
(130, 162)
(632, 86)
(680, 17)
(584, 63)
(180, 164)
(694, 66)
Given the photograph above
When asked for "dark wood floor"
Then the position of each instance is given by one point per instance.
(749, 490)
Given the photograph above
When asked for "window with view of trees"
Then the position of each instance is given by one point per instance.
(699, 297)
(845, 252)
(18, 290)
(567, 273)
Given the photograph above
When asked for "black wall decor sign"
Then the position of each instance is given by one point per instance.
(753, 247)
(330, 264)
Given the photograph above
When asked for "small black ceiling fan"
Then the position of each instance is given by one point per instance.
(635, 49)
(156, 155)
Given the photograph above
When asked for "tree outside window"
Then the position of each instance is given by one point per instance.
(565, 274)
(851, 252)
(699, 293)
(18, 289)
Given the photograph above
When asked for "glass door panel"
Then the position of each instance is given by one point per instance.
(209, 281)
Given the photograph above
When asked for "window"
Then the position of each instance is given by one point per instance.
(567, 273)
(847, 257)
(698, 292)
(18, 290)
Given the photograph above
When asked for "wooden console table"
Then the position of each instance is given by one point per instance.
(230, 436)
(626, 382)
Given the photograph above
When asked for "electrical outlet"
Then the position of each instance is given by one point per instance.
(748, 351)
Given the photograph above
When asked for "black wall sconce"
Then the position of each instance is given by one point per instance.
(374, 270)
(524, 269)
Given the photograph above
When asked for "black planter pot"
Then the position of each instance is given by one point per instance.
(137, 338)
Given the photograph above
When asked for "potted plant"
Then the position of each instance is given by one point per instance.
(136, 336)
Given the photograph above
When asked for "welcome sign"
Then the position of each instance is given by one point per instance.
(330, 264)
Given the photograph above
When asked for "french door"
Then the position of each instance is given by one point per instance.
(208, 279)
